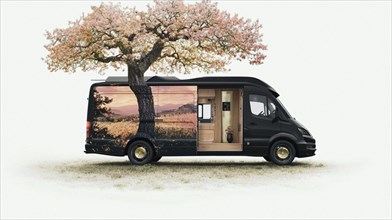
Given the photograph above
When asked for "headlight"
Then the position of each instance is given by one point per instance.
(304, 131)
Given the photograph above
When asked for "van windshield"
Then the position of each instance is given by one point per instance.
(284, 108)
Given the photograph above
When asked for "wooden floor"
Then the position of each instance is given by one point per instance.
(205, 146)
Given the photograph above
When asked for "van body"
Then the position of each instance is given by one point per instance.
(195, 117)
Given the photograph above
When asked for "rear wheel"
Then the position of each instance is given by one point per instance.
(140, 153)
(282, 153)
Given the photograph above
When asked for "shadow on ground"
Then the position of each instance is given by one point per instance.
(166, 174)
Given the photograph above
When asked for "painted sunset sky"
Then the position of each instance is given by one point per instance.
(165, 98)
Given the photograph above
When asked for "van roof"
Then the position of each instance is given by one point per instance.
(200, 81)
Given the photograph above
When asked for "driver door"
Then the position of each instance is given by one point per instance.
(259, 126)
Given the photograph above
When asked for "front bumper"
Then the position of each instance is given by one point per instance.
(306, 148)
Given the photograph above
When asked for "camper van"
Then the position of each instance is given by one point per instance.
(207, 116)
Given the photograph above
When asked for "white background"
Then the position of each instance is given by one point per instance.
(330, 62)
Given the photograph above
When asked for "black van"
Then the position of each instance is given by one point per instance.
(195, 117)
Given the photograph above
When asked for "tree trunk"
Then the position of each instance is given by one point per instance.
(145, 101)
(142, 91)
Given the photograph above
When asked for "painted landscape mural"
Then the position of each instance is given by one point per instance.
(116, 113)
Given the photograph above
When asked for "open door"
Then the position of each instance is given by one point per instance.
(220, 119)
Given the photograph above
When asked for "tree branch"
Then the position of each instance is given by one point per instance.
(103, 59)
(151, 56)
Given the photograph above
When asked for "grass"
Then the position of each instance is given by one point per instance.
(174, 174)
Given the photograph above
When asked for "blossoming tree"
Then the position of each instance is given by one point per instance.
(170, 36)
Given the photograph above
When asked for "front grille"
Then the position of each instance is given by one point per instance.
(310, 140)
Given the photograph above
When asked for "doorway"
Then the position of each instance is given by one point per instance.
(220, 119)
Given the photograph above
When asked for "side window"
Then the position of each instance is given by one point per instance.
(271, 108)
(262, 106)
(204, 112)
(258, 105)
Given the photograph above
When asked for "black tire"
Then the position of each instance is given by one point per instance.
(282, 153)
(140, 153)
(156, 158)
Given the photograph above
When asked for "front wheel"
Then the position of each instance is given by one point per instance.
(140, 153)
(282, 153)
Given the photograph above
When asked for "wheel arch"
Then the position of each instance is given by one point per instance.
(283, 137)
(146, 138)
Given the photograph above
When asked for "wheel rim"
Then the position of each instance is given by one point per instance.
(282, 152)
(140, 152)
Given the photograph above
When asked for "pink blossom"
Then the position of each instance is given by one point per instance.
(193, 36)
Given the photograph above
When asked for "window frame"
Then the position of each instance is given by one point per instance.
(268, 98)
(202, 119)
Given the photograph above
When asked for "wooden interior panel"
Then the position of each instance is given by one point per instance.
(206, 135)
(202, 100)
(218, 116)
(206, 126)
(235, 116)
(207, 93)
(206, 132)
(219, 147)
(241, 115)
